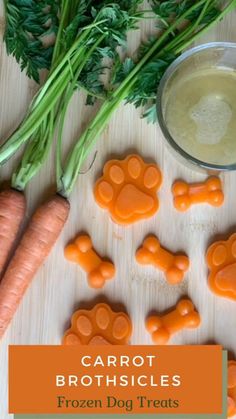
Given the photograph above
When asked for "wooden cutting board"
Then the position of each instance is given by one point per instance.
(60, 287)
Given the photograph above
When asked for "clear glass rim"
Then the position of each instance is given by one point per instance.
(168, 73)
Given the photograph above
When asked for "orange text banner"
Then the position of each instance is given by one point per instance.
(115, 379)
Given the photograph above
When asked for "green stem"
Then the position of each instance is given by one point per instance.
(48, 95)
(57, 46)
(38, 148)
(66, 100)
(231, 6)
(63, 64)
(34, 120)
(33, 162)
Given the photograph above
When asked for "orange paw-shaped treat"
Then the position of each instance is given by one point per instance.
(162, 327)
(81, 251)
(99, 326)
(221, 260)
(231, 388)
(186, 194)
(128, 189)
(174, 266)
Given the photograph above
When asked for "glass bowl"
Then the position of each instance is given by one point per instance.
(216, 54)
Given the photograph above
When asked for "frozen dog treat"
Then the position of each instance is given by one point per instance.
(151, 253)
(187, 194)
(163, 327)
(221, 260)
(99, 326)
(81, 251)
(231, 388)
(128, 189)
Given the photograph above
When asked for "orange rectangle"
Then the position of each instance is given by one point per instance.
(115, 379)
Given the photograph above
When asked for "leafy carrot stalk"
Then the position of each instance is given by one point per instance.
(40, 236)
(12, 213)
(84, 38)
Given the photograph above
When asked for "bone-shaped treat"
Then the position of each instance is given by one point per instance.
(174, 266)
(81, 251)
(187, 194)
(231, 388)
(163, 327)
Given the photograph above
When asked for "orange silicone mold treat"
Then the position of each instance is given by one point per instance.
(99, 326)
(187, 194)
(163, 327)
(81, 251)
(231, 388)
(128, 189)
(221, 260)
(174, 266)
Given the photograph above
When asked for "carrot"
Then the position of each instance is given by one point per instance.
(12, 212)
(40, 236)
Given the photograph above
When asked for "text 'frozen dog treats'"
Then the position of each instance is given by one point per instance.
(151, 253)
(99, 326)
(163, 327)
(187, 194)
(221, 260)
(81, 251)
(128, 189)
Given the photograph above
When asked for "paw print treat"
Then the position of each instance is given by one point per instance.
(81, 251)
(99, 326)
(209, 192)
(128, 189)
(174, 266)
(231, 388)
(221, 260)
(163, 327)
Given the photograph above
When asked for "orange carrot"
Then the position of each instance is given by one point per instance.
(41, 234)
(12, 212)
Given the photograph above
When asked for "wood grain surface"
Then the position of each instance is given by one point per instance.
(61, 287)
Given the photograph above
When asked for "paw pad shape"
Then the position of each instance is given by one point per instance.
(174, 266)
(81, 251)
(99, 326)
(231, 388)
(187, 194)
(163, 327)
(128, 189)
(221, 260)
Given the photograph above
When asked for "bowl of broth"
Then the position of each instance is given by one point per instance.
(196, 106)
